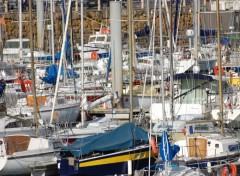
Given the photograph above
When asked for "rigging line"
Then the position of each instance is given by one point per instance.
(149, 51)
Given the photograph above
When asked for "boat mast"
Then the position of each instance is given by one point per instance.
(52, 31)
(20, 29)
(196, 11)
(162, 62)
(116, 52)
(61, 60)
(171, 64)
(40, 24)
(32, 70)
(219, 68)
(82, 63)
(130, 58)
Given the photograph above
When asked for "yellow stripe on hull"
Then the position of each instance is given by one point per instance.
(115, 159)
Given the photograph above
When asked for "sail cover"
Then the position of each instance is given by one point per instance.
(124, 137)
(51, 77)
(167, 151)
(52, 72)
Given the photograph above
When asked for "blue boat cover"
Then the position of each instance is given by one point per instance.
(49, 57)
(52, 72)
(225, 40)
(191, 76)
(126, 136)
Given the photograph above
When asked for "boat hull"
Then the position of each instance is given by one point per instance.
(66, 113)
(215, 161)
(125, 162)
(19, 165)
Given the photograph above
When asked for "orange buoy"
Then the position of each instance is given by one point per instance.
(225, 171)
(153, 145)
(94, 55)
(216, 70)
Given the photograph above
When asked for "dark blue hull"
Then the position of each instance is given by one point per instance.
(202, 163)
(111, 164)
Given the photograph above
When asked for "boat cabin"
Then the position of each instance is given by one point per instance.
(207, 146)
(11, 50)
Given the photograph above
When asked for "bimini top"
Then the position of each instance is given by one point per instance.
(124, 137)
(195, 76)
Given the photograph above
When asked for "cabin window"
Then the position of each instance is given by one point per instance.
(201, 127)
(233, 148)
(101, 39)
(216, 145)
(194, 89)
(60, 101)
(92, 39)
(225, 86)
(57, 145)
(109, 39)
(25, 44)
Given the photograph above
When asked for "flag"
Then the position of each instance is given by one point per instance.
(167, 151)
(188, 130)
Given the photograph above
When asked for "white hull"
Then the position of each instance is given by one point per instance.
(19, 165)
(62, 114)
(19, 152)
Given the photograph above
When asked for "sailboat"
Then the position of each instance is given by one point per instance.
(165, 165)
(65, 110)
(120, 151)
(19, 151)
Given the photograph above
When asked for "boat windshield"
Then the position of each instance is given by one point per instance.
(92, 39)
(109, 39)
(100, 39)
(194, 91)
(15, 44)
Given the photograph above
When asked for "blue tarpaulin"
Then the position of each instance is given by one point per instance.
(124, 137)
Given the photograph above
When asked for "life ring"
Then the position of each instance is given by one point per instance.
(153, 145)
(216, 72)
(94, 55)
